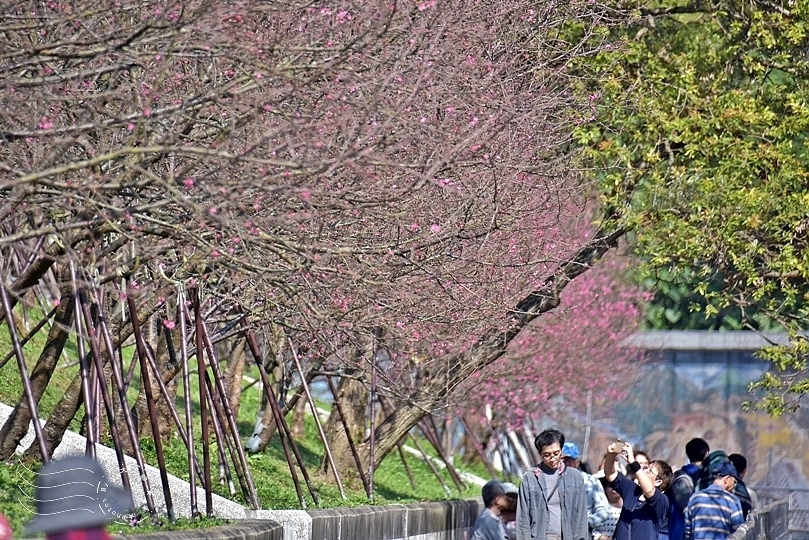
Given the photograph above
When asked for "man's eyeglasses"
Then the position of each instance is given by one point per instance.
(549, 455)
(734, 482)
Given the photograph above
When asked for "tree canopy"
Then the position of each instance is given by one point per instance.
(702, 109)
(355, 178)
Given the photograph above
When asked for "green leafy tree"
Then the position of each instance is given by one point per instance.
(701, 113)
(673, 303)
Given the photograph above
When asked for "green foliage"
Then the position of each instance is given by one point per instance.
(699, 120)
(16, 479)
(10, 382)
(679, 299)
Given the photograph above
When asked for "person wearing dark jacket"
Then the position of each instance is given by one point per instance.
(488, 525)
(645, 505)
(682, 486)
(705, 479)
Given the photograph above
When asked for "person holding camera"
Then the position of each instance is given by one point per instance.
(645, 506)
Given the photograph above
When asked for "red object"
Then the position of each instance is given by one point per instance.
(5, 528)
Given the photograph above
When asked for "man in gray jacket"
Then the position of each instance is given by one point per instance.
(552, 503)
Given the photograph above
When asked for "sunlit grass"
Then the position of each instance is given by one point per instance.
(269, 470)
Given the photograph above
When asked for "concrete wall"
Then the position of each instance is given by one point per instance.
(450, 520)
(244, 530)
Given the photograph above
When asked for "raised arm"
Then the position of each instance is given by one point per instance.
(610, 472)
(645, 481)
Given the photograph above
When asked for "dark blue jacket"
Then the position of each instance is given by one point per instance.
(640, 517)
(681, 489)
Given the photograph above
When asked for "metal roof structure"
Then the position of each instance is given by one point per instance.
(704, 340)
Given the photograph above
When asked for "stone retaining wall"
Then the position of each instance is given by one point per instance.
(450, 520)
(243, 530)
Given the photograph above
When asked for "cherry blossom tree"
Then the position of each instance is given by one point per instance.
(356, 176)
(576, 349)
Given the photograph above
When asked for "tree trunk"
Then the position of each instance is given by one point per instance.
(140, 409)
(33, 274)
(64, 412)
(16, 425)
(233, 374)
(434, 390)
(298, 428)
(60, 418)
(265, 426)
(353, 397)
(168, 369)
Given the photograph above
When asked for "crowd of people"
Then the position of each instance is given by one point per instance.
(629, 497)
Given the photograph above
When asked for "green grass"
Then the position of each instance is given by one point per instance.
(16, 490)
(269, 469)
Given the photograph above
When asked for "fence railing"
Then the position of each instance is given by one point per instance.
(770, 522)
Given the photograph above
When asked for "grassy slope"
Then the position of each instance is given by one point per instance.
(270, 471)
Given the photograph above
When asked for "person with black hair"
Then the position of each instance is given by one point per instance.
(705, 479)
(488, 525)
(552, 502)
(645, 505)
(682, 486)
(746, 496)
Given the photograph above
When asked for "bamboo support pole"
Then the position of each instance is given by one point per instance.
(329, 455)
(29, 335)
(478, 447)
(84, 367)
(222, 440)
(283, 429)
(189, 420)
(146, 384)
(432, 435)
(229, 420)
(26, 379)
(203, 403)
(105, 393)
